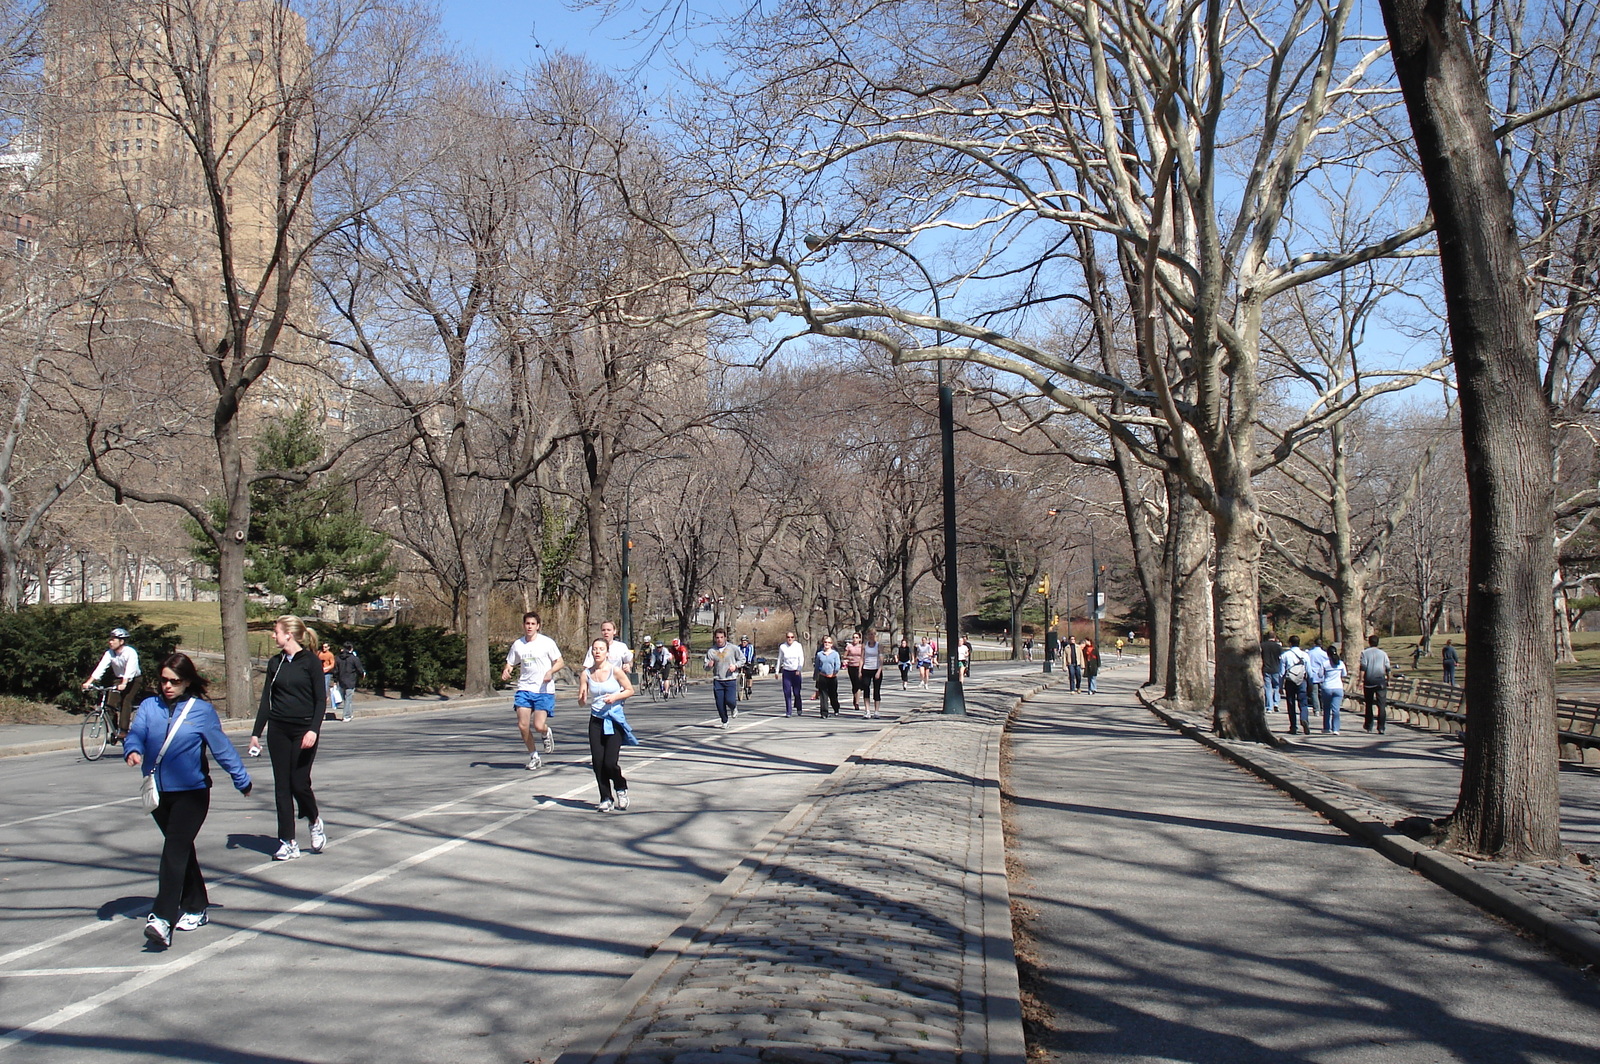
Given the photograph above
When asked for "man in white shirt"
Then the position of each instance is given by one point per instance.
(539, 659)
(123, 661)
(791, 659)
(617, 651)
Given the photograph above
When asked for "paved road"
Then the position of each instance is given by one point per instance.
(1182, 910)
(465, 910)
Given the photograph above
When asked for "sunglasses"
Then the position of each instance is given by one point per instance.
(172, 679)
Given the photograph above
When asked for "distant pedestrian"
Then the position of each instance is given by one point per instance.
(1292, 678)
(1271, 659)
(1072, 655)
(925, 660)
(348, 672)
(604, 688)
(964, 649)
(172, 730)
(791, 659)
(723, 660)
(852, 655)
(1120, 645)
(1091, 664)
(294, 701)
(1375, 671)
(1317, 662)
(902, 659)
(1448, 658)
(1332, 691)
(827, 665)
(329, 663)
(871, 673)
(537, 659)
(1027, 648)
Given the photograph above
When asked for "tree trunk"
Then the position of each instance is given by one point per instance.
(1509, 807)
(1190, 680)
(1238, 702)
(477, 680)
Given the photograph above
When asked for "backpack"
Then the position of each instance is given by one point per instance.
(1297, 666)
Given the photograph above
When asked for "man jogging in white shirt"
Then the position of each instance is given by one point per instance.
(617, 651)
(538, 659)
(791, 659)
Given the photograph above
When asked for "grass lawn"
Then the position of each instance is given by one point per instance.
(1585, 646)
(199, 625)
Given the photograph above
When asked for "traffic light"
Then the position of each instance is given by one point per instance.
(633, 592)
(1044, 584)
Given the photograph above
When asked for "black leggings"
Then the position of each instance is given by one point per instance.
(180, 884)
(872, 684)
(291, 774)
(828, 691)
(605, 753)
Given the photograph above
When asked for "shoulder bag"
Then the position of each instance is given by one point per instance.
(149, 790)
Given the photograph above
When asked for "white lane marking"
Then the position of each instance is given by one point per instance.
(434, 810)
(115, 969)
(69, 812)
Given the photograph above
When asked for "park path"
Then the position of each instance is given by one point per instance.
(1177, 908)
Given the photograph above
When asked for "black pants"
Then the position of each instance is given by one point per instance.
(180, 884)
(291, 774)
(1379, 697)
(605, 753)
(828, 691)
(905, 672)
(872, 684)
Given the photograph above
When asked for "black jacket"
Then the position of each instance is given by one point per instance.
(295, 692)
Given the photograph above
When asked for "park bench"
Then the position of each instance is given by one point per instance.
(1426, 704)
(1437, 707)
(1577, 728)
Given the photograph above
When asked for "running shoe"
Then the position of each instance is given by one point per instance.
(288, 850)
(603, 807)
(622, 799)
(549, 740)
(534, 764)
(319, 836)
(158, 931)
(191, 921)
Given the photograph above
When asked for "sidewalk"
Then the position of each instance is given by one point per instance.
(872, 924)
(1367, 784)
(1174, 908)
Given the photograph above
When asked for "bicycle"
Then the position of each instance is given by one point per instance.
(652, 685)
(748, 688)
(97, 727)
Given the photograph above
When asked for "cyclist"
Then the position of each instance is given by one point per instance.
(680, 661)
(747, 666)
(123, 661)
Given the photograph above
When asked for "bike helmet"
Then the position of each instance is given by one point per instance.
(120, 633)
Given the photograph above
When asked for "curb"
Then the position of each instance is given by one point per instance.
(1448, 871)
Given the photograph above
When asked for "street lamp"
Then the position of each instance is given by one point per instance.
(955, 700)
(1321, 602)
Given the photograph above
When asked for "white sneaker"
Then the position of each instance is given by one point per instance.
(622, 799)
(603, 807)
(534, 763)
(288, 850)
(191, 921)
(319, 836)
(158, 931)
(549, 740)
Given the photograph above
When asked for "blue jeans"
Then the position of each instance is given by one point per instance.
(1092, 677)
(1075, 677)
(1330, 709)
(1269, 681)
(726, 692)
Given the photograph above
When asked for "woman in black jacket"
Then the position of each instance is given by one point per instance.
(293, 702)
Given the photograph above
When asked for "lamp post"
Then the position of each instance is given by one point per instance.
(1321, 603)
(955, 700)
(1094, 598)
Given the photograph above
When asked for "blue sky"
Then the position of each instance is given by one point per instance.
(508, 34)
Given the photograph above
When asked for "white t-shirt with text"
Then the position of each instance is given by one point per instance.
(534, 657)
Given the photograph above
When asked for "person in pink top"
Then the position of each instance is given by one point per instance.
(853, 652)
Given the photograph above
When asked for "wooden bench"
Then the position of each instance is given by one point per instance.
(1426, 704)
(1577, 729)
(1437, 707)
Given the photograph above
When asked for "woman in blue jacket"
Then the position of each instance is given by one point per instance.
(184, 778)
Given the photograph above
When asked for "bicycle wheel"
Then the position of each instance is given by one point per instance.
(93, 735)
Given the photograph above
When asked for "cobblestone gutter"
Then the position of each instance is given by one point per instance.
(872, 924)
